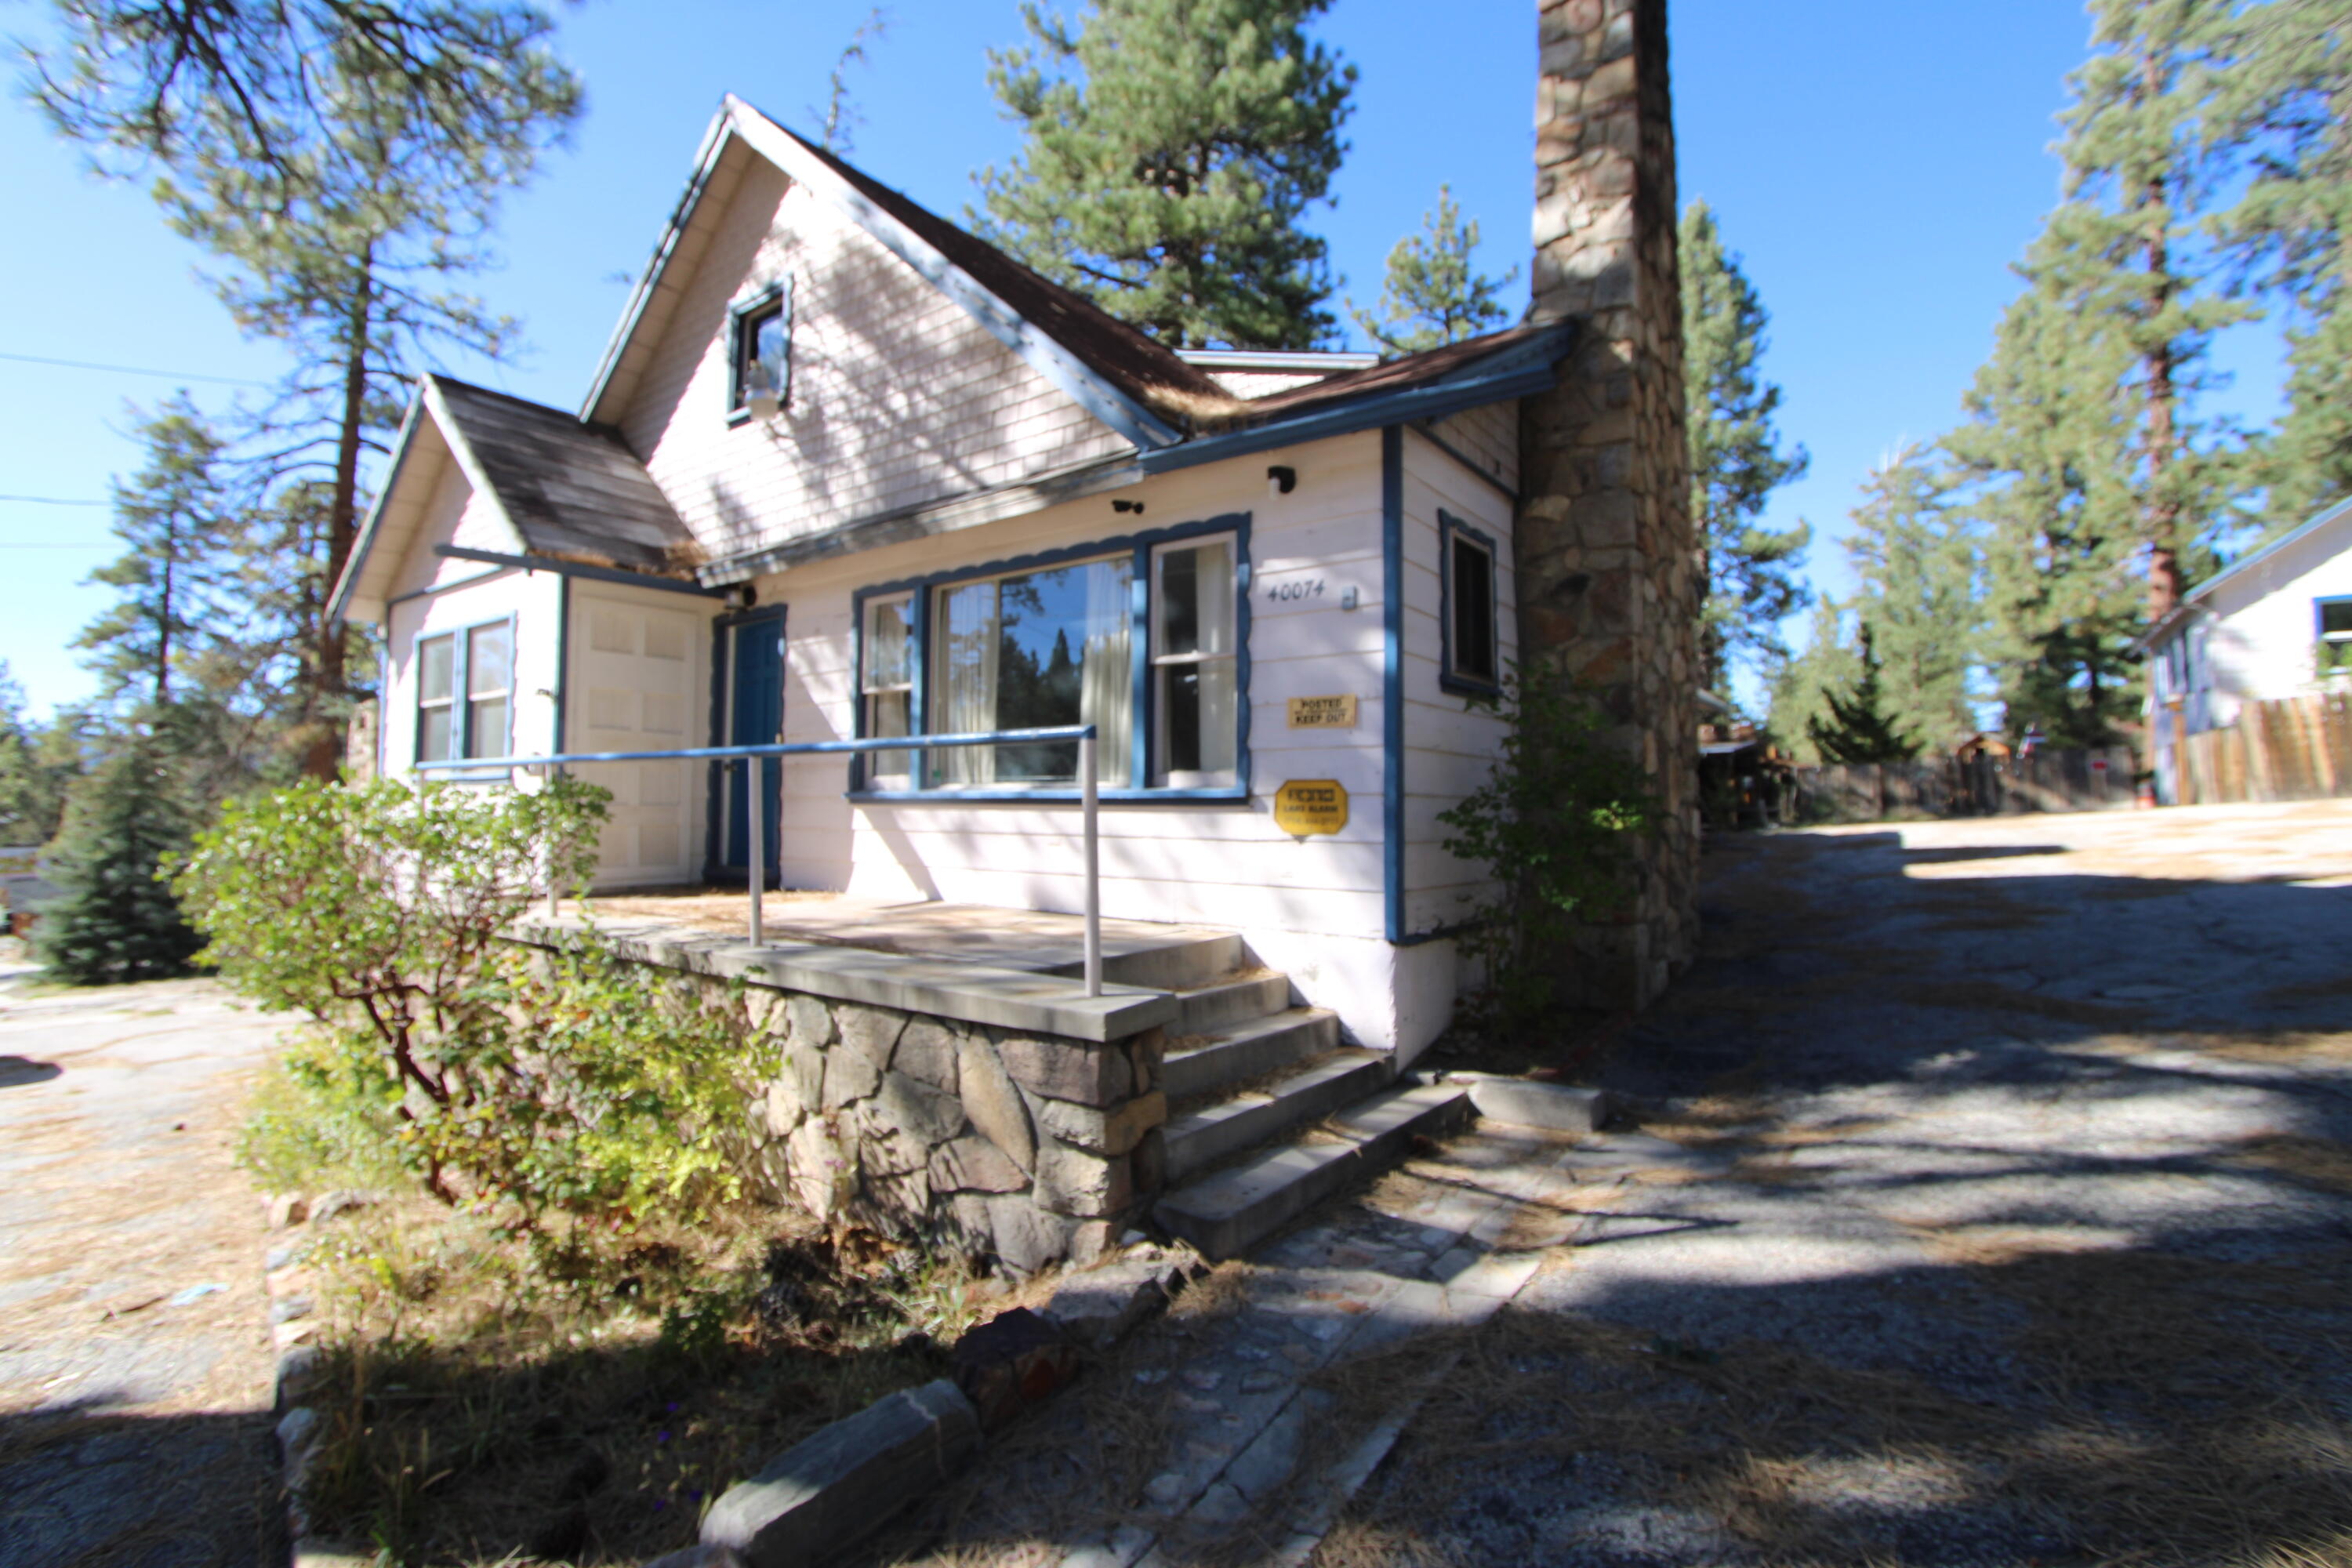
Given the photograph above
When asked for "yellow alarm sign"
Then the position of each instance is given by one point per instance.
(1310, 806)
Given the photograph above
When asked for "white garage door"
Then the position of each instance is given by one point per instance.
(638, 674)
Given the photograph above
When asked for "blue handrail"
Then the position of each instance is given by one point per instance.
(794, 749)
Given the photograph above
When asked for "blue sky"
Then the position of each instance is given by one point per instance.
(1876, 166)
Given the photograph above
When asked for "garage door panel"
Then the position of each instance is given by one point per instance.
(641, 685)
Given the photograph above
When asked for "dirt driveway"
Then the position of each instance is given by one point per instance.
(135, 1362)
(1994, 1206)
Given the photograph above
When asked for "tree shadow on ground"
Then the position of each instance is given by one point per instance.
(82, 1487)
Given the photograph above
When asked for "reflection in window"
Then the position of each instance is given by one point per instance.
(479, 663)
(886, 686)
(1195, 678)
(1033, 650)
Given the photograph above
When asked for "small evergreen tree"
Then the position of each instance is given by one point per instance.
(1915, 555)
(37, 765)
(1432, 293)
(1736, 458)
(1860, 728)
(1171, 149)
(118, 920)
(1800, 685)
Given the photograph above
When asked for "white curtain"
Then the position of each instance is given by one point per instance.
(967, 681)
(1107, 677)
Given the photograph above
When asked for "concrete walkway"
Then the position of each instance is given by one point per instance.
(1992, 1205)
(135, 1363)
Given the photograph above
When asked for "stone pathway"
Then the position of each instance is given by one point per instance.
(135, 1365)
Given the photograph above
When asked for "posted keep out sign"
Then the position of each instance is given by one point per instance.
(1310, 806)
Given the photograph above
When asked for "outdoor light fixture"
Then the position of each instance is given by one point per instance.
(1280, 480)
(763, 405)
(1127, 506)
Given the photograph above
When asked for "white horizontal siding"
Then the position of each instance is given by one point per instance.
(897, 395)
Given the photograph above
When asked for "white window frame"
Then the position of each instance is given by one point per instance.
(891, 770)
(462, 700)
(1162, 661)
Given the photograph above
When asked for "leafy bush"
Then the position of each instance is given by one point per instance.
(501, 1075)
(1555, 823)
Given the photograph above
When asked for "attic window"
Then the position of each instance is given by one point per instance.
(2335, 620)
(760, 363)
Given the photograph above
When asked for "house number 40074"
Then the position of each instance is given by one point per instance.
(1282, 593)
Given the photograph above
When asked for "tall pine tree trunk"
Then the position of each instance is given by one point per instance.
(2163, 524)
(330, 680)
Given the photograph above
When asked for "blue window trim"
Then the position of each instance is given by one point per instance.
(2319, 613)
(1139, 546)
(461, 701)
(713, 850)
(739, 316)
(1448, 678)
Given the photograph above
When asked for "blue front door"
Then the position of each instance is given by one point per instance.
(753, 650)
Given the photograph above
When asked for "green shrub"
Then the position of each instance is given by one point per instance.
(118, 920)
(1555, 824)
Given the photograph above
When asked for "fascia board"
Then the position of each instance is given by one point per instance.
(363, 547)
(706, 163)
(1434, 402)
(2294, 536)
(1057, 365)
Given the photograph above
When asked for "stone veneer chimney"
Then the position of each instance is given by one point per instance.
(1607, 559)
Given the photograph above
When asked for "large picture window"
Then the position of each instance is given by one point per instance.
(464, 693)
(1143, 639)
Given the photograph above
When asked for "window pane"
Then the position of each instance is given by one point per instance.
(1197, 729)
(763, 369)
(433, 666)
(1474, 611)
(887, 713)
(887, 647)
(489, 659)
(1034, 650)
(1196, 599)
(486, 733)
(433, 734)
(2336, 618)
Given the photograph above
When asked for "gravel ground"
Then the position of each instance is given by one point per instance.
(2013, 1225)
(133, 1431)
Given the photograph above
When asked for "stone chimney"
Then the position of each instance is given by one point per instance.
(1607, 559)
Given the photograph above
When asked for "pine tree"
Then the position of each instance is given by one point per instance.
(1915, 555)
(345, 162)
(2282, 111)
(2047, 452)
(181, 526)
(2127, 254)
(1432, 293)
(117, 920)
(838, 121)
(1736, 457)
(37, 767)
(1860, 727)
(1170, 149)
(1801, 686)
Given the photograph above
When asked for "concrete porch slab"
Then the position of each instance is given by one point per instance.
(1035, 941)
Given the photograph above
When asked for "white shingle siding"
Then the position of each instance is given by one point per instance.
(899, 397)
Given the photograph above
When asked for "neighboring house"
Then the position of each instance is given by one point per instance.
(846, 470)
(2264, 629)
(24, 891)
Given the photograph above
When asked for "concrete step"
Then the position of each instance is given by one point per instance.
(1178, 966)
(1227, 1212)
(1227, 1001)
(1244, 1051)
(1213, 1132)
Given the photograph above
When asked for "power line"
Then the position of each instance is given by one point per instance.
(54, 501)
(133, 370)
(93, 544)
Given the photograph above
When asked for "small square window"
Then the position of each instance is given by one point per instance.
(1473, 660)
(760, 349)
(2335, 619)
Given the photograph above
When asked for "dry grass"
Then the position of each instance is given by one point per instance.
(2174, 1414)
(484, 1400)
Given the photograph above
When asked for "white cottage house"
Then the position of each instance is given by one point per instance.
(2267, 628)
(845, 470)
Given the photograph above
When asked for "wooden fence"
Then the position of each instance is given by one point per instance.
(2299, 749)
(2073, 779)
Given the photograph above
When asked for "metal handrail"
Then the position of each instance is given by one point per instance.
(750, 756)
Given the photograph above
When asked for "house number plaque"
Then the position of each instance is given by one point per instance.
(1310, 806)
(1323, 712)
